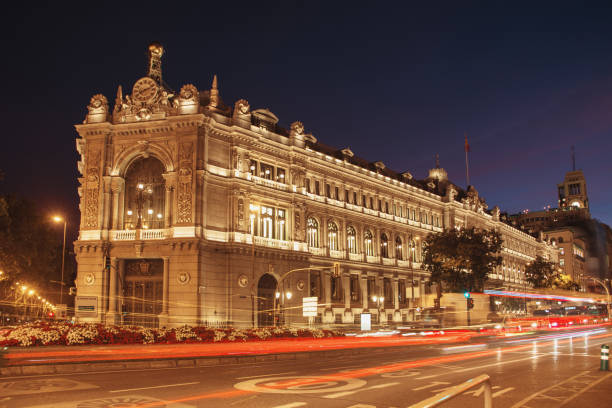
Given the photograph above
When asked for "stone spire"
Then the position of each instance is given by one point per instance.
(156, 50)
(214, 94)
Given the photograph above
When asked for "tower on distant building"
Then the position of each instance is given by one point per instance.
(573, 192)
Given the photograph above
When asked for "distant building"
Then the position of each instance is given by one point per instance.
(192, 212)
(585, 243)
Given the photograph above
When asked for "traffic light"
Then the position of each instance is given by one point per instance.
(470, 303)
(51, 315)
(466, 294)
(336, 269)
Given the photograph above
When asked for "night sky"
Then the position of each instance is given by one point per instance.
(396, 83)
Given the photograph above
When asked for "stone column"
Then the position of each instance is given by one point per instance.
(111, 315)
(163, 317)
(168, 207)
(116, 188)
(397, 315)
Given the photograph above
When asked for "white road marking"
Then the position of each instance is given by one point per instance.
(535, 394)
(265, 375)
(156, 386)
(291, 405)
(478, 367)
(585, 389)
(373, 387)
(432, 384)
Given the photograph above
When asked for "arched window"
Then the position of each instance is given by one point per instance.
(351, 241)
(332, 236)
(144, 195)
(384, 245)
(398, 248)
(313, 233)
(412, 249)
(560, 240)
(368, 243)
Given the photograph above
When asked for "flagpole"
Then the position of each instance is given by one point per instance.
(467, 167)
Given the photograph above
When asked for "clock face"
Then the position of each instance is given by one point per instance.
(144, 90)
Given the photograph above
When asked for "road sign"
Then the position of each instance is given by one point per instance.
(309, 306)
(86, 306)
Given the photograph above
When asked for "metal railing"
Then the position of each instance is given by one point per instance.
(451, 393)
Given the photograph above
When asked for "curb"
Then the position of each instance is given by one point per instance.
(84, 367)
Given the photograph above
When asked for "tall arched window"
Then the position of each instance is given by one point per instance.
(368, 243)
(313, 233)
(384, 245)
(144, 195)
(398, 248)
(332, 236)
(412, 249)
(351, 241)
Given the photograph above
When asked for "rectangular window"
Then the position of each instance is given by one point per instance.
(266, 171)
(380, 205)
(401, 292)
(372, 203)
(317, 188)
(346, 196)
(387, 207)
(307, 182)
(364, 203)
(327, 190)
(354, 197)
(337, 193)
(371, 288)
(253, 168)
(280, 175)
(355, 288)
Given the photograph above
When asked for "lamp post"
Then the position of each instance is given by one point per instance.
(59, 219)
(607, 292)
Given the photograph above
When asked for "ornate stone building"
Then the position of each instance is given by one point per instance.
(191, 212)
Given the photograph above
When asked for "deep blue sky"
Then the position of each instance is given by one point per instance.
(395, 82)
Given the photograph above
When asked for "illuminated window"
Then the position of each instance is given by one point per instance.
(268, 222)
(351, 240)
(384, 246)
(266, 171)
(332, 236)
(368, 243)
(398, 248)
(355, 292)
(313, 232)
(280, 175)
(144, 195)
(253, 168)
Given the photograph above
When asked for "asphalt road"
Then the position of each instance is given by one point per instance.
(550, 370)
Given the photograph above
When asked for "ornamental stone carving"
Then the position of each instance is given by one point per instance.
(297, 129)
(188, 99)
(185, 181)
(97, 109)
(92, 190)
(242, 107)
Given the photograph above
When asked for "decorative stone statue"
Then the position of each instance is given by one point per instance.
(97, 109)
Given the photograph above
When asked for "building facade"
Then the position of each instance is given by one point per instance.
(196, 213)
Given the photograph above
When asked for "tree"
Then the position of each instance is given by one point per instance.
(29, 246)
(562, 281)
(540, 273)
(461, 259)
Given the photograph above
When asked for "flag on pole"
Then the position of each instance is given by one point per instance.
(467, 146)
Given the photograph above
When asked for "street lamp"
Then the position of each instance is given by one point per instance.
(59, 219)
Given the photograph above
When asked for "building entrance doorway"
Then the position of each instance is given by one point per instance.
(266, 289)
(142, 292)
